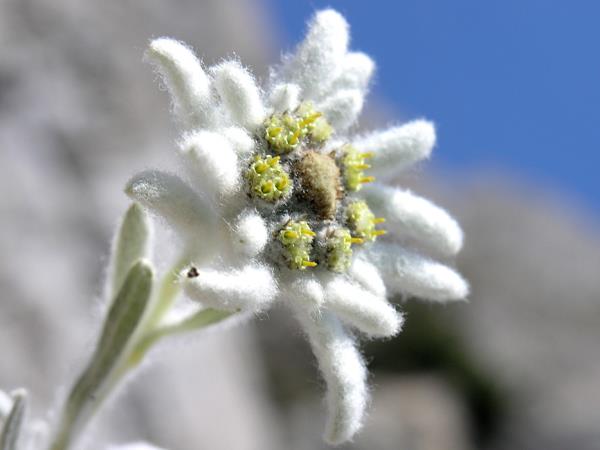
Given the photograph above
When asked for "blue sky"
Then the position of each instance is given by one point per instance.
(511, 84)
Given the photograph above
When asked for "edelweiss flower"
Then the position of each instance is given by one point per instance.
(281, 202)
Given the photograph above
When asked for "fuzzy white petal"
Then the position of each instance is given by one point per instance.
(134, 446)
(5, 405)
(305, 292)
(212, 162)
(357, 70)
(343, 108)
(360, 308)
(415, 217)
(344, 372)
(398, 148)
(317, 61)
(250, 234)
(241, 142)
(251, 288)
(367, 275)
(409, 273)
(187, 82)
(284, 97)
(240, 94)
(171, 198)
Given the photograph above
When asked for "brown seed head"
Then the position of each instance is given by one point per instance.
(320, 180)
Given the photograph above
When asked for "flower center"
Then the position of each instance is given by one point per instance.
(320, 182)
(267, 179)
(305, 191)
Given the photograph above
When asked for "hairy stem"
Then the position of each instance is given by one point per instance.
(85, 401)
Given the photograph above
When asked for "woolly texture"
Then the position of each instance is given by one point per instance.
(251, 288)
(399, 147)
(409, 273)
(188, 84)
(343, 109)
(357, 69)
(241, 142)
(417, 218)
(317, 61)
(134, 446)
(370, 314)
(344, 372)
(171, 198)
(5, 405)
(285, 97)
(368, 276)
(276, 202)
(212, 161)
(240, 94)
(250, 234)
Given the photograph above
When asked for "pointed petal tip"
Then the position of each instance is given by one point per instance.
(331, 19)
(423, 131)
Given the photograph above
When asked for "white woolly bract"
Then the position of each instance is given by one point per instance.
(284, 97)
(415, 217)
(134, 446)
(307, 293)
(357, 70)
(318, 59)
(411, 274)
(5, 405)
(239, 139)
(342, 108)
(239, 93)
(344, 372)
(367, 275)
(372, 315)
(252, 288)
(169, 197)
(212, 162)
(254, 262)
(249, 233)
(398, 148)
(187, 82)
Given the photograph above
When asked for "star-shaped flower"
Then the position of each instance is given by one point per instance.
(282, 204)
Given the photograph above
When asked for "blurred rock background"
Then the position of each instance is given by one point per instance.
(516, 368)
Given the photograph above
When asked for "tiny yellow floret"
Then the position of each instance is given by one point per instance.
(297, 240)
(314, 125)
(267, 179)
(353, 165)
(362, 221)
(339, 249)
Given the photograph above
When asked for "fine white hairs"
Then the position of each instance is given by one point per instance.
(274, 200)
(255, 155)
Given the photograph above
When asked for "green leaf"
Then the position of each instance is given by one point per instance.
(122, 320)
(12, 427)
(131, 244)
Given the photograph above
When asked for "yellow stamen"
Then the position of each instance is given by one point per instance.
(261, 167)
(379, 232)
(281, 184)
(367, 179)
(309, 264)
(379, 220)
(289, 234)
(267, 187)
(275, 131)
(310, 119)
(293, 140)
(362, 166)
(356, 240)
(273, 161)
(308, 233)
(367, 155)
